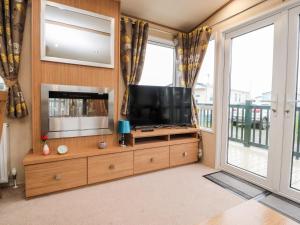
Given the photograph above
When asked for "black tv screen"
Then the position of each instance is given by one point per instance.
(154, 106)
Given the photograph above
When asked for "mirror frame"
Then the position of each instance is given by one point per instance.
(44, 57)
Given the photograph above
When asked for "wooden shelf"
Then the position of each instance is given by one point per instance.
(163, 136)
(34, 158)
(183, 136)
(162, 131)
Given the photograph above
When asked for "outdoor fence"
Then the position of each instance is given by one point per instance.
(249, 124)
(205, 115)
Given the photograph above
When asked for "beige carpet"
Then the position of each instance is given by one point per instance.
(169, 197)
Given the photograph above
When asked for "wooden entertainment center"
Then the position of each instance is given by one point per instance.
(147, 151)
(84, 163)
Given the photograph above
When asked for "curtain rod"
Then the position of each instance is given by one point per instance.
(153, 23)
(162, 31)
(211, 15)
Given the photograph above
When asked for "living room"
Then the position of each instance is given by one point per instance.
(149, 112)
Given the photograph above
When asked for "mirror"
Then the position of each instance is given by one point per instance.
(75, 36)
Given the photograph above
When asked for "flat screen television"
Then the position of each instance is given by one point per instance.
(159, 106)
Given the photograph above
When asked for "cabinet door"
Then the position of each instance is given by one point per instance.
(55, 176)
(151, 159)
(109, 167)
(183, 154)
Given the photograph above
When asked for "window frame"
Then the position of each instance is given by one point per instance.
(167, 44)
(281, 10)
(212, 129)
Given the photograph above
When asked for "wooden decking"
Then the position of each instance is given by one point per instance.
(255, 160)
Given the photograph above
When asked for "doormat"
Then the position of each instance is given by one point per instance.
(237, 185)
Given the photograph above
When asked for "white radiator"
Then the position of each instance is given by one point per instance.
(4, 147)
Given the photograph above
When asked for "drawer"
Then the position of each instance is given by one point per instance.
(109, 167)
(183, 154)
(54, 176)
(151, 159)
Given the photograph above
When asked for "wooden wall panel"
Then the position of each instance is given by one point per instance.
(59, 73)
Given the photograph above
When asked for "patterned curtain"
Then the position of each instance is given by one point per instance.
(134, 37)
(190, 52)
(12, 19)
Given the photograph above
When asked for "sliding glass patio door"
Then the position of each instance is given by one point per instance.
(253, 92)
(261, 102)
(290, 174)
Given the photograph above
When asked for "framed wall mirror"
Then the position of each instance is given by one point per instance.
(76, 36)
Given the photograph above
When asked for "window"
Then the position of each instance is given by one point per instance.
(159, 65)
(2, 84)
(204, 88)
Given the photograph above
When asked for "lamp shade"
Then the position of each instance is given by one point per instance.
(123, 127)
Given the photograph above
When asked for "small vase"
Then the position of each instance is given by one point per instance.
(46, 150)
(102, 145)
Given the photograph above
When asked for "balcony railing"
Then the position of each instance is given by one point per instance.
(248, 124)
(205, 113)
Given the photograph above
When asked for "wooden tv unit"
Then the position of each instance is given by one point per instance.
(147, 151)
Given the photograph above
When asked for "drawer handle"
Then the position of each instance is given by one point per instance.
(184, 154)
(111, 166)
(151, 160)
(57, 177)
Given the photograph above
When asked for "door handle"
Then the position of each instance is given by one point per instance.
(274, 104)
(288, 104)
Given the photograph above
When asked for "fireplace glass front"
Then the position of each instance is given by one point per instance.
(70, 111)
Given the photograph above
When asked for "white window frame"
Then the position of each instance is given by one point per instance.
(214, 114)
(280, 10)
(291, 90)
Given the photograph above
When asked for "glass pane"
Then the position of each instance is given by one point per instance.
(250, 95)
(85, 38)
(64, 105)
(295, 178)
(2, 84)
(204, 88)
(159, 66)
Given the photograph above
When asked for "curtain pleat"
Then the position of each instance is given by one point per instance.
(134, 37)
(12, 21)
(190, 51)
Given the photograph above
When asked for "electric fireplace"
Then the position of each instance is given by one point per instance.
(72, 111)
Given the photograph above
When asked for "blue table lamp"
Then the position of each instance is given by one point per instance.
(123, 128)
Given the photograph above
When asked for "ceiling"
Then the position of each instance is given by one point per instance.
(182, 15)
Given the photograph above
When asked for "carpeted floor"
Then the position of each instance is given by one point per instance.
(178, 196)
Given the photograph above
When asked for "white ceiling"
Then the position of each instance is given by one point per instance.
(183, 15)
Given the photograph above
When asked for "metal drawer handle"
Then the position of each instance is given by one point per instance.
(111, 166)
(57, 177)
(151, 160)
(184, 154)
